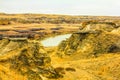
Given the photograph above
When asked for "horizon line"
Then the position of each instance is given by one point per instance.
(57, 14)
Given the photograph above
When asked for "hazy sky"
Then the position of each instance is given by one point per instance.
(72, 7)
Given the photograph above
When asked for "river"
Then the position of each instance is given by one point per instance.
(54, 41)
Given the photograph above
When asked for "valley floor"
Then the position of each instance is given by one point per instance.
(104, 67)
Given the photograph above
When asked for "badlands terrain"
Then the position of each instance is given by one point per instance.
(92, 52)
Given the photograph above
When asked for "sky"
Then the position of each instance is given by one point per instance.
(67, 7)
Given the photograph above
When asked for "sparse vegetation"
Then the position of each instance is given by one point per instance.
(4, 22)
(70, 69)
(91, 53)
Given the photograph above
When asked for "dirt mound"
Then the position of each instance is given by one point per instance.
(90, 43)
(25, 60)
(95, 26)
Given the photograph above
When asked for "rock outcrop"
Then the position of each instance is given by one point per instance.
(26, 59)
(93, 42)
(93, 27)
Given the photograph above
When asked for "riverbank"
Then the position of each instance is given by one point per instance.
(37, 31)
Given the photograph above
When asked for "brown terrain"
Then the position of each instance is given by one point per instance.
(91, 53)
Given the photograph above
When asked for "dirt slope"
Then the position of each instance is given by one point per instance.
(91, 43)
(89, 55)
(104, 67)
(24, 60)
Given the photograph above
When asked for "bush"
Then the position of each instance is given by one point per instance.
(70, 69)
(4, 22)
(22, 31)
(4, 30)
(37, 29)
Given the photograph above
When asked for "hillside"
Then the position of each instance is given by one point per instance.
(24, 60)
(92, 40)
(91, 55)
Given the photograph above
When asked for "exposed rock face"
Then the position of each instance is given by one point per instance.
(93, 27)
(28, 59)
(89, 43)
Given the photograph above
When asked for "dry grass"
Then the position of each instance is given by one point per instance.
(105, 67)
(7, 74)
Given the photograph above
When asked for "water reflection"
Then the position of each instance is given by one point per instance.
(54, 41)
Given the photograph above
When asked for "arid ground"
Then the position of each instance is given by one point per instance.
(91, 53)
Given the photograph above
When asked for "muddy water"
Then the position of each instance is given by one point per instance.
(54, 41)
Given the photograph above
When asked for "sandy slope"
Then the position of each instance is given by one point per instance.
(105, 67)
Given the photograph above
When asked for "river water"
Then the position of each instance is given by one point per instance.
(54, 41)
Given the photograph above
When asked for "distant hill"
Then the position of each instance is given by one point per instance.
(54, 19)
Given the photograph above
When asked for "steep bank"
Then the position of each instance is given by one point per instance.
(91, 42)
